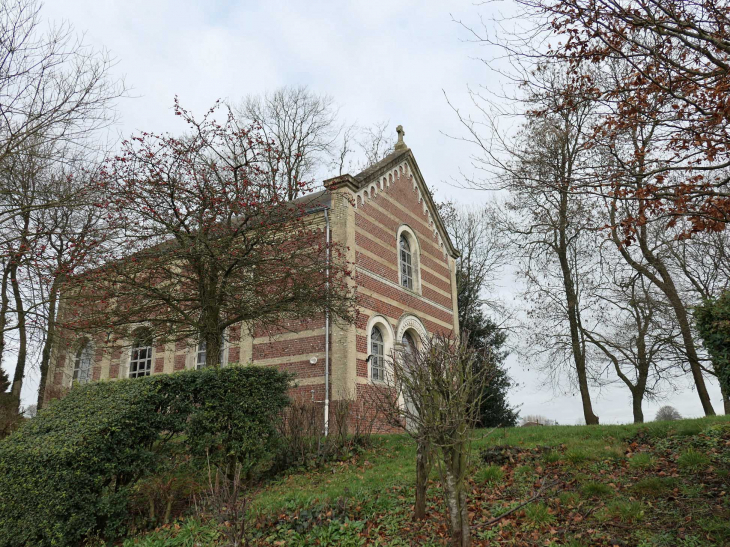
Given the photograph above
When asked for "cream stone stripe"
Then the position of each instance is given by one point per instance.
(313, 381)
(382, 279)
(397, 304)
(384, 262)
(288, 336)
(393, 321)
(246, 345)
(290, 359)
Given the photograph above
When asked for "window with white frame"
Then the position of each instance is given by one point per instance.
(377, 355)
(140, 360)
(82, 362)
(406, 263)
(202, 353)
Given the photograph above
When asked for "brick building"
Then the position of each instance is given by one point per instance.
(404, 277)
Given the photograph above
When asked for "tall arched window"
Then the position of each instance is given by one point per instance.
(82, 363)
(377, 355)
(409, 345)
(140, 361)
(406, 263)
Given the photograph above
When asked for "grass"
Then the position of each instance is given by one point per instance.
(524, 472)
(654, 486)
(491, 474)
(538, 514)
(641, 460)
(600, 495)
(596, 490)
(577, 455)
(568, 498)
(693, 460)
(626, 510)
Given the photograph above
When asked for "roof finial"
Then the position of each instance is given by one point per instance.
(400, 145)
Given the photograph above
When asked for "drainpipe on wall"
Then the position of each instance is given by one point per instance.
(327, 332)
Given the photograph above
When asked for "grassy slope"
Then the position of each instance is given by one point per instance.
(661, 484)
(392, 462)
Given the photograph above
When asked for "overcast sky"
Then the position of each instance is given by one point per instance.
(380, 60)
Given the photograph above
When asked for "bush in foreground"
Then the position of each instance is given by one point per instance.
(68, 473)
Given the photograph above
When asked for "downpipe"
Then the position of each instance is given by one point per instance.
(327, 331)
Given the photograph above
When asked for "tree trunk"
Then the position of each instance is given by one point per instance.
(637, 397)
(455, 457)
(213, 348)
(579, 355)
(22, 337)
(50, 339)
(588, 415)
(680, 312)
(664, 282)
(643, 362)
(455, 497)
(725, 399)
(422, 472)
(4, 304)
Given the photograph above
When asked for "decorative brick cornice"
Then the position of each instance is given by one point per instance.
(347, 181)
(404, 165)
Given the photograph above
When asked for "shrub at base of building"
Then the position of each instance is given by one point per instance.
(68, 473)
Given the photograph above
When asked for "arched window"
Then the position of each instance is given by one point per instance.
(82, 363)
(377, 355)
(409, 345)
(406, 263)
(140, 361)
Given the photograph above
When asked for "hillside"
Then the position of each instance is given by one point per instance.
(660, 484)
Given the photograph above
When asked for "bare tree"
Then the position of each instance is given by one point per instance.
(549, 227)
(483, 253)
(434, 392)
(629, 327)
(667, 413)
(376, 141)
(303, 129)
(70, 235)
(55, 92)
(701, 266)
(638, 243)
(52, 86)
(201, 241)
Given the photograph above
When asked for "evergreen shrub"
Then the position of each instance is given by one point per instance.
(68, 473)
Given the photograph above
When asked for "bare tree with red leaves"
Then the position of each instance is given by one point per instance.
(676, 55)
(202, 240)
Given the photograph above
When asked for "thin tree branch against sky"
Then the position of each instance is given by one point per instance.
(379, 60)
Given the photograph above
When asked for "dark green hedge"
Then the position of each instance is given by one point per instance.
(67, 473)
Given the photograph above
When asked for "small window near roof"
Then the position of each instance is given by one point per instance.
(406, 264)
(140, 362)
(82, 363)
(377, 355)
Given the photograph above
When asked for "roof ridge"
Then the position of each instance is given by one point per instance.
(381, 165)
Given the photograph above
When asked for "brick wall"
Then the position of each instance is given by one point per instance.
(391, 202)
(368, 231)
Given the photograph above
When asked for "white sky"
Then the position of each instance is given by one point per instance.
(381, 60)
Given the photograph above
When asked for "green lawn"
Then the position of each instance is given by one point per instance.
(660, 484)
